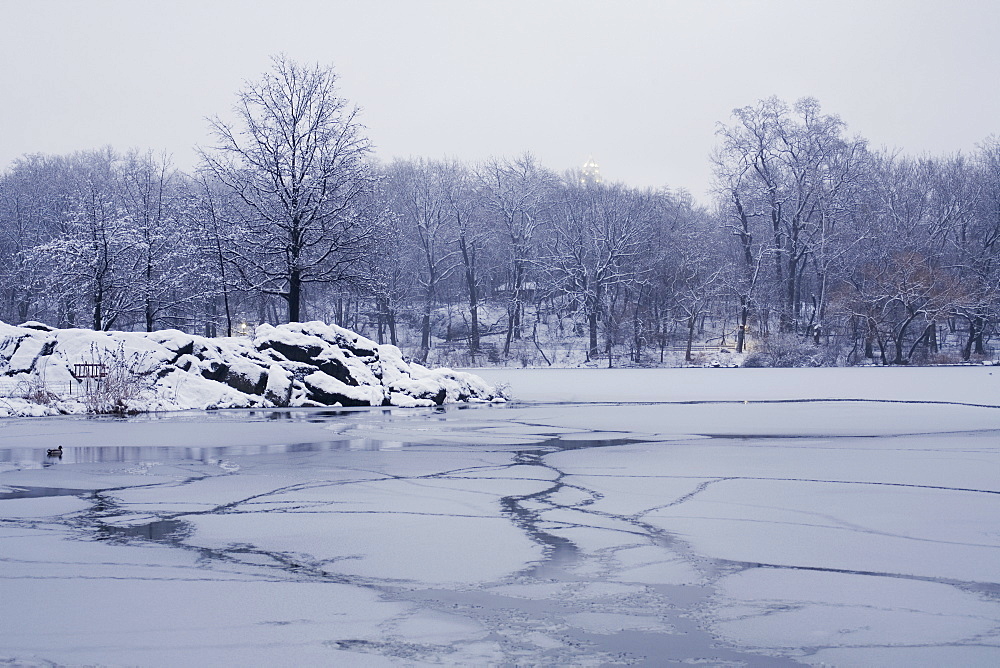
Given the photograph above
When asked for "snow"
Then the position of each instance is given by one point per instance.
(914, 532)
(368, 395)
(299, 364)
(844, 531)
(844, 611)
(222, 623)
(975, 385)
(607, 623)
(432, 549)
(42, 507)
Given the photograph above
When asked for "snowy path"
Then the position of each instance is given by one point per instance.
(845, 533)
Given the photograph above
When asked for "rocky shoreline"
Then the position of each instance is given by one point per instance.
(43, 371)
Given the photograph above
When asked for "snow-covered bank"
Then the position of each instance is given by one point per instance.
(962, 384)
(299, 364)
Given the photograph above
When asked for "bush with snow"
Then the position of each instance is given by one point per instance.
(788, 351)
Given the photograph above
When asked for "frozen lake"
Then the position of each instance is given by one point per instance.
(718, 516)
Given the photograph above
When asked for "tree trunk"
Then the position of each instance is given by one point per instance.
(534, 338)
(294, 295)
(425, 333)
(980, 327)
(510, 330)
(469, 260)
(690, 338)
(870, 339)
(380, 309)
(229, 315)
(148, 298)
(592, 326)
(98, 308)
(212, 315)
(637, 330)
(923, 338)
(515, 311)
(779, 273)
(967, 348)
(741, 327)
(474, 329)
(790, 312)
(898, 341)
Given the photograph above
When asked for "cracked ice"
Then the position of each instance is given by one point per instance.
(585, 533)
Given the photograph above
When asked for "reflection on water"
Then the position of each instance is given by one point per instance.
(141, 453)
(169, 531)
(35, 457)
(23, 457)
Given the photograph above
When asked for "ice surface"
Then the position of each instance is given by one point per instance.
(794, 609)
(966, 384)
(172, 621)
(724, 533)
(608, 623)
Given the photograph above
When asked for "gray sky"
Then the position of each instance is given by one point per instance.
(640, 85)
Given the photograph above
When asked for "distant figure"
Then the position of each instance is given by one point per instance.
(56, 452)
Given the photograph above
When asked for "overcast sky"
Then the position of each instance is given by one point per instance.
(639, 85)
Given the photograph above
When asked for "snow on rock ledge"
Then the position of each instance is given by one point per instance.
(298, 364)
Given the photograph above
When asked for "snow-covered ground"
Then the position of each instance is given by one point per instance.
(782, 517)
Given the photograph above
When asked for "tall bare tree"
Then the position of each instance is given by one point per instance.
(419, 198)
(296, 159)
(596, 240)
(515, 193)
(787, 174)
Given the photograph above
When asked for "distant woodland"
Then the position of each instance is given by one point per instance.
(817, 248)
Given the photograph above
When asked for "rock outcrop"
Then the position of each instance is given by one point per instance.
(299, 364)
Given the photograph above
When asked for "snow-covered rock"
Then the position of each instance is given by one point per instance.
(299, 364)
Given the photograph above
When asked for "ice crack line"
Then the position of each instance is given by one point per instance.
(556, 547)
(943, 488)
(991, 589)
(559, 549)
(678, 501)
(697, 402)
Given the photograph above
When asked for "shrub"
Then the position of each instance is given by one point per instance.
(126, 380)
(943, 358)
(34, 390)
(788, 350)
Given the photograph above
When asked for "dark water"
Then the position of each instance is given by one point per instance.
(38, 492)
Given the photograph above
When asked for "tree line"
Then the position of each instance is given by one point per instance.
(816, 247)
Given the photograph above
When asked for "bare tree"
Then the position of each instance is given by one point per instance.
(692, 275)
(596, 241)
(470, 236)
(515, 192)
(89, 255)
(900, 279)
(787, 174)
(296, 160)
(419, 198)
(165, 261)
